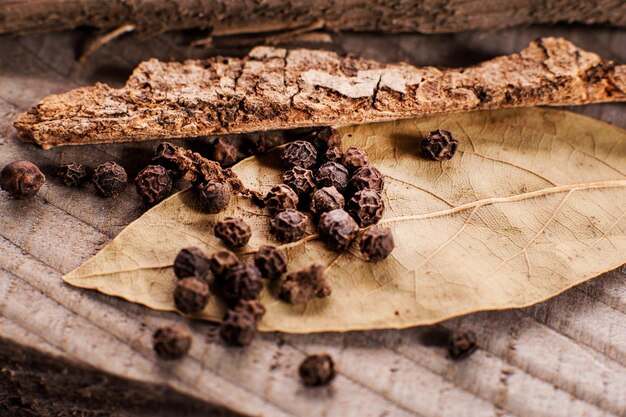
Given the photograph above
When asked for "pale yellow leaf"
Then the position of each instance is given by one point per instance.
(533, 203)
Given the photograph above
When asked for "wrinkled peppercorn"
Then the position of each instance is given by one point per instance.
(326, 199)
(299, 154)
(461, 343)
(332, 174)
(154, 183)
(253, 307)
(172, 341)
(333, 155)
(165, 155)
(325, 138)
(337, 229)
(439, 145)
(280, 198)
(191, 295)
(191, 262)
(366, 177)
(238, 327)
(301, 286)
(233, 232)
(21, 179)
(300, 180)
(271, 261)
(110, 179)
(355, 158)
(317, 370)
(240, 282)
(376, 243)
(213, 196)
(288, 225)
(366, 207)
(221, 262)
(72, 174)
(225, 152)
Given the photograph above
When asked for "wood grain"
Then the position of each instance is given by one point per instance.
(563, 357)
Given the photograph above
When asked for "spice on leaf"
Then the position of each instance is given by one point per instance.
(337, 229)
(220, 262)
(191, 295)
(300, 154)
(240, 282)
(214, 196)
(439, 145)
(301, 286)
(233, 231)
(271, 261)
(332, 174)
(366, 207)
(288, 226)
(191, 262)
(326, 199)
(300, 180)
(355, 158)
(376, 243)
(367, 177)
(280, 198)
(238, 327)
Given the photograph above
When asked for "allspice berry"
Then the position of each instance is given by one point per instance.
(240, 282)
(300, 180)
(172, 342)
(337, 229)
(233, 232)
(238, 327)
(366, 207)
(461, 343)
(439, 145)
(225, 152)
(317, 370)
(326, 199)
(376, 243)
(301, 286)
(213, 196)
(191, 295)
(333, 155)
(355, 158)
(332, 174)
(191, 262)
(221, 262)
(300, 154)
(110, 179)
(366, 177)
(288, 225)
(280, 198)
(154, 183)
(72, 174)
(324, 139)
(21, 179)
(271, 261)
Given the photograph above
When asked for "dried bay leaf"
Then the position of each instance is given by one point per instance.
(533, 203)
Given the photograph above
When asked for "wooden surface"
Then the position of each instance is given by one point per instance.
(65, 351)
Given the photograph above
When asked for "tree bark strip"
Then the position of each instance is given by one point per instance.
(250, 16)
(273, 89)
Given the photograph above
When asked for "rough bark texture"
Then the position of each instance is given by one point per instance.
(249, 16)
(274, 89)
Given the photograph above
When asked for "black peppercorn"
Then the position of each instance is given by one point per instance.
(332, 174)
(253, 307)
(461, 343)
(110, 179)
(240, 282)
(191, 295)
(299, 154)
(355, 158)
(221, 262)
(301, 286)
(271, 261)
(366, 207)
(213, 196)
(317, 370)
(165, 155)
(225, 152)
(333, 155)
(439, 145)
(154, 183)
(300, 180)
(288, 225)
(191, 262)
(376, 243)
(337, 229)
(326, 199)
(21, 179)
(280, 198)
(72, 174)
(238, 327)
(324, 139)
(171, 342)
(366, 177)
(233, 232)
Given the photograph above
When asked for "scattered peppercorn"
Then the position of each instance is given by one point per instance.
(72, 174)
(333, 155)
(221, 262)
(213, 196)
(461, 343)
(238, 327)
(366, 207)
(366, 177)
(271, 261)
(154, 183)
(326, 199)
(240, 282)
(300, 154)
(332, 174)
(355, 158)
(325, 138)
(253, 307)
(172, 341)
(191, 295)
(337, 229)
(376, 243)
(21, 179)
(439, 145)
(165, 155)
(110, 179)
(288, 225)
(233, 232)
(191, 262)
(280, 198)
(300, 180)
(301, 286)
(317, 370)
(225, 152)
